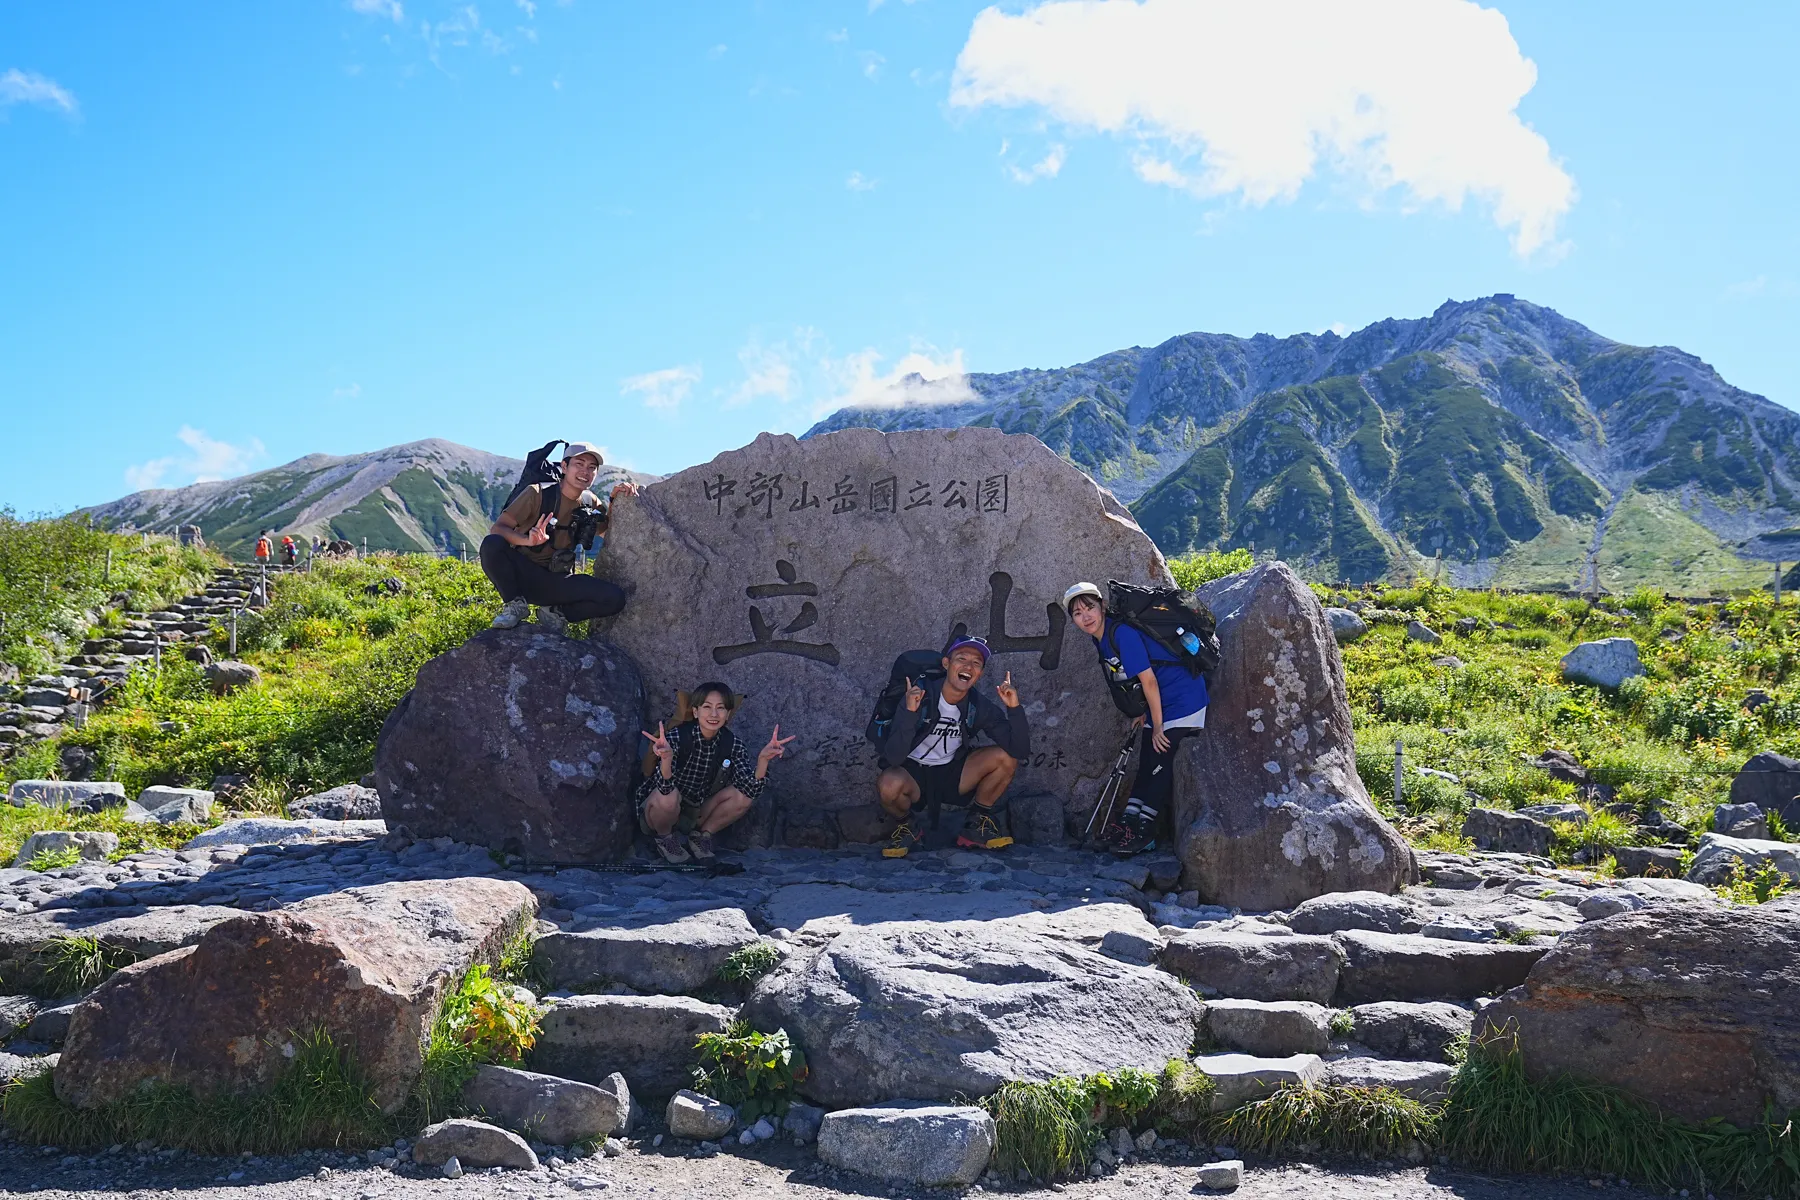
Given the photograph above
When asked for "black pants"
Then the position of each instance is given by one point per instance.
(1154, 786)
(580, 597)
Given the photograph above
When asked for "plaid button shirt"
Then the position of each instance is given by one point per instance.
(691, 776)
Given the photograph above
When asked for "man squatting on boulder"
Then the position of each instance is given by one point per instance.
(529, 553)
(702, 780)
(1177, 701)
(937, 765)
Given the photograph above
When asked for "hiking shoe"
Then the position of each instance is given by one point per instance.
(1135, 842)
(670, 847)
(511, 613)
(1115, 833)
(700, 845)
(551, 620)
(903, 839)
(981, 832)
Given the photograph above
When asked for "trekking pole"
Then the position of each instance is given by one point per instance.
(1109, 792)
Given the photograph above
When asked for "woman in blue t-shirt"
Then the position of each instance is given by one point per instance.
(1175, 698)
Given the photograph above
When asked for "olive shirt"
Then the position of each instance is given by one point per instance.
(529, 506)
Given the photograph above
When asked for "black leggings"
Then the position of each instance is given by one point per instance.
(580, 597)
(1154, 786)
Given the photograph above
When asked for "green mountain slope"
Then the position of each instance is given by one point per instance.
(1495, 437)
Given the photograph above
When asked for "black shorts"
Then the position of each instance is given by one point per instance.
(939, 785)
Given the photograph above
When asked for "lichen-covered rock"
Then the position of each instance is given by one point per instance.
(369, 966)
(1606, 663)
(795, 570)
(1269, 808)
(518, 740)
(1687, 1006)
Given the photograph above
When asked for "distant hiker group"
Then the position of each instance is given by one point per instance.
(699, 776)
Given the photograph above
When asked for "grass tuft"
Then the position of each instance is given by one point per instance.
(750, 963)
(76, 965)
(1337, 1120)
(321, 1101)
(1041, 1128)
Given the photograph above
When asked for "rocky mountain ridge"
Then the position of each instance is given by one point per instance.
(429, 495)
(1518, 444)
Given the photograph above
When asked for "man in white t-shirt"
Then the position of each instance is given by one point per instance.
(930, 741)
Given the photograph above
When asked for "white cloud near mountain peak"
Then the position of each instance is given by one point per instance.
(207, 459)
(1228, 97)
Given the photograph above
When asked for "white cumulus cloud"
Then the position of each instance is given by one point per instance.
(922, 377)
(1046, 168)
(858, 182)
(664, 389)
(1232, 97)
(27, 87)
(205, 459)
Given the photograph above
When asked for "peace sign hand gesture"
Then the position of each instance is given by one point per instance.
(539, 533)
(775, 749)
(1009, 695)
(665, 753)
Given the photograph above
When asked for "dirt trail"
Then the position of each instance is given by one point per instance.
(774, 1171)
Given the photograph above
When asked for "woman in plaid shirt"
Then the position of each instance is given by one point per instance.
(703, 779)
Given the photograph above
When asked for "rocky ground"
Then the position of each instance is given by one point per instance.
(767, 1171)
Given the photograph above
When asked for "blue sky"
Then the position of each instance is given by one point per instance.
(240, 233)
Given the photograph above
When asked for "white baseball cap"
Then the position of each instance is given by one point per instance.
(577, 449)
(1083, 589)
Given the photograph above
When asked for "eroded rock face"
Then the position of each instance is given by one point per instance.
(370, 966)
(924, 1011)
(1686, 1006)
(796, 570)
(519, 740)
(1269, 808)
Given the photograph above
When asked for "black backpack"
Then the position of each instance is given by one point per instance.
(538, 470)
(1162, 616)
(913, 665)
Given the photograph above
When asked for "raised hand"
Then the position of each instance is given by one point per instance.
(915, 695)
(659, 746)
(775, 749)
(539, 533)
(1009, 695)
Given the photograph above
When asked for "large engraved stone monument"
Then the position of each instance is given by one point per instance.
(796, 570)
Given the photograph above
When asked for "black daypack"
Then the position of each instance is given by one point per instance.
(1161, 615)
(538, 470)
(914, 666)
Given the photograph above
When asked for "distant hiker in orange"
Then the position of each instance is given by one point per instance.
(262, 549)
(289, 552)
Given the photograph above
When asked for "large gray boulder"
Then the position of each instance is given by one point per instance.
(371, 966)
(59, 793)
(473, 1144)
(1496, 829)
(1392, 966)
(1717, 857)
(1402, 1030)
(519, 740)
(1606, 663)
(1346, 626)
(561, 1112)
(1357, 910)
(1689, 1007)
(928, 1011)
(348, 802)
(1772, 782)
(648, 1039)
(1269, 810)
(919, 1144)
(648, 955)
(1741, 821)
(1251, 966)
(797, 570)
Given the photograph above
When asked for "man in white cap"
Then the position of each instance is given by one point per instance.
(529, 553)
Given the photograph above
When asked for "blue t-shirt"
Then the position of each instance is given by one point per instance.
(1182, 694)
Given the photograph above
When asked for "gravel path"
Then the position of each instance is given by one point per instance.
(774, 1170)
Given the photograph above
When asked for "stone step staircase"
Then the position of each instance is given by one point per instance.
(41, 707)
